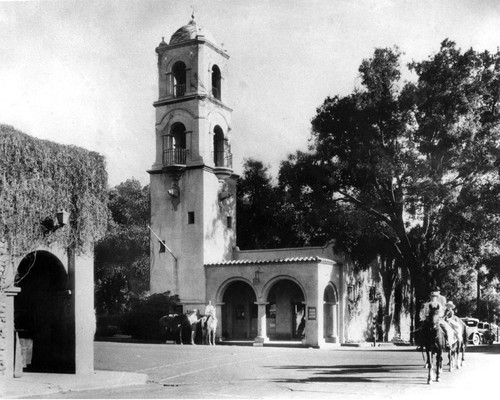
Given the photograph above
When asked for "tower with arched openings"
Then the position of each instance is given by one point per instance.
(192, 181)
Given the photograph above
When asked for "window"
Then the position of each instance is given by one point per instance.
(179, 75)
(174, 145)
(219, 146)
(271, 310)
(191, 217)
(240, 312)
(229, 222)
(216, 80)
(162, 246)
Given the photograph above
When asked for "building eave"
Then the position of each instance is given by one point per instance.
(291, 260)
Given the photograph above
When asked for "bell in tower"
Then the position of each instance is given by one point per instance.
(193, 205)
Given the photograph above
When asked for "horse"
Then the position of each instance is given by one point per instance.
(460, 328)
(177, 326)
(434, 343)
(211, 328)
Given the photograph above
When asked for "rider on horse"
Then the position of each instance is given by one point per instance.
(438, 301)
(451, 318)
(209, 311)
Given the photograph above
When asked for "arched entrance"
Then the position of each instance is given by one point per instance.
(285, 311)
(239, 312)
(43, 312)
(330, 312)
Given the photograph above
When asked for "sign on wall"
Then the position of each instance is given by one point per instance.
(311, 313)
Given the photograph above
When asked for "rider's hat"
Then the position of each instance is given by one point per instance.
(450, 304)
(435, 293)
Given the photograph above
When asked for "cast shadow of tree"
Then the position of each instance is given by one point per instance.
(387, 374)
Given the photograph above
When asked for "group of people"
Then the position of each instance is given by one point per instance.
(445, 309)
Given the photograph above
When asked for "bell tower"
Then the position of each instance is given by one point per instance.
(193, 188)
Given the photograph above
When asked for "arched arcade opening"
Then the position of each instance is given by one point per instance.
(285, 311)
(239, 312)
(330, 314)
(43, 312)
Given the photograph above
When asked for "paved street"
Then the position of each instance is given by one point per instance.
(255, 372)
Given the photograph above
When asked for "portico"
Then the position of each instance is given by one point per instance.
(276, 296)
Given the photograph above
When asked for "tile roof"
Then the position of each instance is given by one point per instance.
(289, 260)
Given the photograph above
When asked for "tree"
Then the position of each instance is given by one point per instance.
(122, 256)
(256, 207)
(418, 160)
(316, 216)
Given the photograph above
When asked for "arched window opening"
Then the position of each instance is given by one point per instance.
(174, 145)
(219, 147)
(216, 81)
(179, 74)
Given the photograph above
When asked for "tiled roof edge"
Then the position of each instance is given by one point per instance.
(312, 259)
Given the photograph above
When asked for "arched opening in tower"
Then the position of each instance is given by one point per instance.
(216, 82)
(174, 146)
(179, 75)
(219, 147)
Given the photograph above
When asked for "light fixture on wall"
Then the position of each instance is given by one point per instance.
(224, 192)
(175, 172)
(256, 277)
(51, 225)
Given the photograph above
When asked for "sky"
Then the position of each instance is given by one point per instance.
(85, 73)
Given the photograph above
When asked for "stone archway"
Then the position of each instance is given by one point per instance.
(43, 312)
(239, 312)
(285, 311)
(330, 314)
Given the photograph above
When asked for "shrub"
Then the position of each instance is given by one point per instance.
(141, 322)
(108, 325)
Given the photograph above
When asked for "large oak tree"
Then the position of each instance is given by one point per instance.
(420, 158)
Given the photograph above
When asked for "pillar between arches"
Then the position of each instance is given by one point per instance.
(218, 315)
(261, 324)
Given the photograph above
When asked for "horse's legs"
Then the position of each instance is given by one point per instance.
(439, 364)
(462, 358)
(193, 332)
(429, 367)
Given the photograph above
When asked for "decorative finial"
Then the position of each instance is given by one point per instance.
(192, 14)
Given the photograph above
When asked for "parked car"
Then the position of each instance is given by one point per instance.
(487, 332)
(473, 333)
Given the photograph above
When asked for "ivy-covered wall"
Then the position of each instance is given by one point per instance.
(369, 308)
(37, 179)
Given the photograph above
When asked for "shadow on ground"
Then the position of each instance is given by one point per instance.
(410, 373)
(484, 348)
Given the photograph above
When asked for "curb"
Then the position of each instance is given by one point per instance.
(39, 384)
